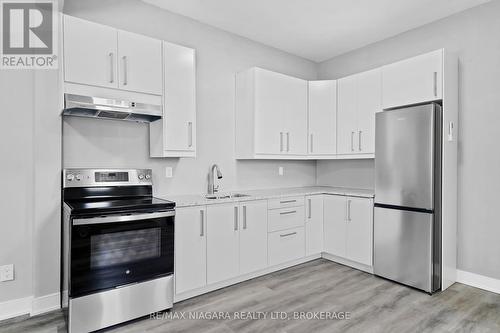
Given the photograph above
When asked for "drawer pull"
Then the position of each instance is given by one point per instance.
(290, 234)
(288, 201)
(290, 212)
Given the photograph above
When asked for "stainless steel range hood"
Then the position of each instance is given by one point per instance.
(104, 108)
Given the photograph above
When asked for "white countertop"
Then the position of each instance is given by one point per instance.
(199, 199)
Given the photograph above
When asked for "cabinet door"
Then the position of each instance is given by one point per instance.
(222, 242)
(190, 249)
(322, 113)
(360, 230)
(335, 209)
(295, 116)
(180, 97)
(314, 224)
(414, 80)
(369, 98)
(253, 236)
(90, 53)
(270, 92)
(140, 63)
(347, 115)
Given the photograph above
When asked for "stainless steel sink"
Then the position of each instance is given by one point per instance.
(225, 196)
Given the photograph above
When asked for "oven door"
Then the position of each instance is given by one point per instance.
(116, 250)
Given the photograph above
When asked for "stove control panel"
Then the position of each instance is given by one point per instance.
(106, 177)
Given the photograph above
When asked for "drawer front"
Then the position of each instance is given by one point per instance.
(285, 218)
(286, 202)
(286, 245)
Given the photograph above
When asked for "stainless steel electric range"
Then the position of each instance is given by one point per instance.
(118, 248)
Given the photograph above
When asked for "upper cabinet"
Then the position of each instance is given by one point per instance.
(271, 115)
(414, 80)
(359, 98)
(322, 113)
(176, 135)
(102, 56)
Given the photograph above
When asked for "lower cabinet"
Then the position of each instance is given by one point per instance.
(348, 228)
(286, 245)
(314, 224)
(253, 236)
(190, 248)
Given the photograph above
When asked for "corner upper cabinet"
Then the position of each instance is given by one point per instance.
(322, 113)
(415, 80)
(101, 56)
(90, 53)
(270, 116)
(359, 98)
(175, 136)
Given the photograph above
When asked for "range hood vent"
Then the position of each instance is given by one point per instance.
(104, 108)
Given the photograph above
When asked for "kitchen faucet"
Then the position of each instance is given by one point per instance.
(212, 188)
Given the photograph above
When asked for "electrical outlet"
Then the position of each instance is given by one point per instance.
(168, 172)
(7, 273)
(280, 171)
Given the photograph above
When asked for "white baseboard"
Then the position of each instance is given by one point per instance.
(29, 305)
(347, 262)
(16, 307)
(478, 281)
(46, 303)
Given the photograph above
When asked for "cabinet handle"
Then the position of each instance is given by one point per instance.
(450, 131)
(349, 210)
(244, 217)
(290, 234)
(287, 201)
(312, 143)
(202, 221)
(190, 134)
(287, 141)
(235, 218)
(125, 80)
(111, 68)
(290, 212)
(309, 208)
(352, 141)
(435, 84)
(359, 140)
(281, 141)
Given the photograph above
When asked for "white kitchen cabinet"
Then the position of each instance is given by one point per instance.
(140, 63)
(359, 244)
(253, 236)
(359, 98)
(415, 80)
(271, 115)
(286, 245)
(285, 218)
(322, 113)
(98, 55)
(222, 242)
(348, 228)
(190, 248)
(90, 53)
(314, 224)
(175, 135)
(335, 228)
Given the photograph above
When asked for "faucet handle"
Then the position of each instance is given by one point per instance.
(216, 188)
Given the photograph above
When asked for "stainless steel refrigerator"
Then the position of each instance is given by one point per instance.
(407, 218)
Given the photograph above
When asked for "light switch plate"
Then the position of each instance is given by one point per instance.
(6, 273)
(168, 172)
(280, 171)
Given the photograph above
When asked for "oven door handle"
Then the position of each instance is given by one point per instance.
(122, 218)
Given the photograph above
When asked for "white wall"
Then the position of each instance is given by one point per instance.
(95, 143)
(474, 36)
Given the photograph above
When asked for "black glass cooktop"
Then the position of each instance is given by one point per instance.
(121, 205)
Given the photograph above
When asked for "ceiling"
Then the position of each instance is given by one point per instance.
(316, 29)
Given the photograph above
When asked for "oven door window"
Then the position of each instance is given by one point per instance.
(110, 255)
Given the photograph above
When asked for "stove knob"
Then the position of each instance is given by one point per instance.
(141, 176)
(78, 177)
(148, 176)
(70, 177)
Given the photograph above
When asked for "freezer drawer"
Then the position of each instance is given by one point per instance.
(403, 246)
